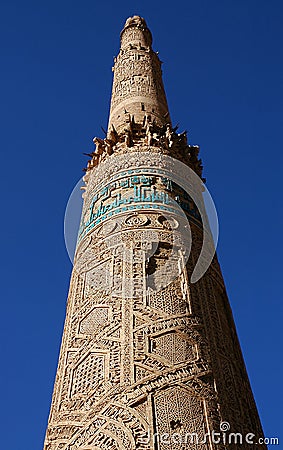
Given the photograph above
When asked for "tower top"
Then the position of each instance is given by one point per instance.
(139, 116)
(138, 93)
(142, 37)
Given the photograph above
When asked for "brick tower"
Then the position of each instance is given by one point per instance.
(150, 357)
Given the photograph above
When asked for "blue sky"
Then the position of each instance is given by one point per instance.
(223, 78)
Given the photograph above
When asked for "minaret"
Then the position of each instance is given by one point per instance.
(150, 357)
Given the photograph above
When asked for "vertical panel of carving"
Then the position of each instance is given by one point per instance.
(139, 285)
(180, 420)
(209, 300)
(184, 282)
(229, 395)
(127, 317)
(99, 278)
(75, 295)
(117, 264)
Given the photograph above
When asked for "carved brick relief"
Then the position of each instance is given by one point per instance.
(177, 411)
(87, 373)
(97, 318)
(174, 348)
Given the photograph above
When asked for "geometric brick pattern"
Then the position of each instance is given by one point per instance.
(87, 373)
(94, 320)
(174, 348)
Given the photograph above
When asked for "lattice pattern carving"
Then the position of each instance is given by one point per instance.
(94, 320)
(174, 347)
(87, 373)
(99, 277)
(177, 411)
(169, 300)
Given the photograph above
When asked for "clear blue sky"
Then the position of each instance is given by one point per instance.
(223, 78)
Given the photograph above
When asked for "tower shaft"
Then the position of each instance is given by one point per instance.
(137, 86)
(149, 359)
